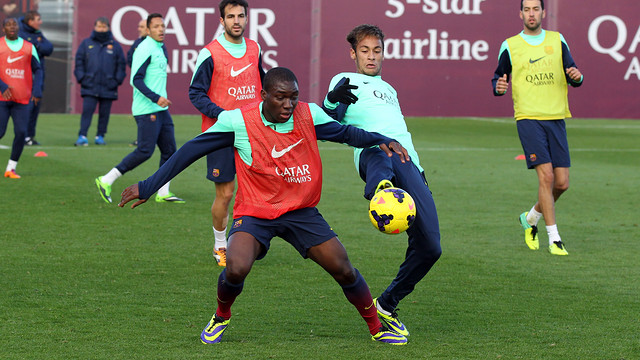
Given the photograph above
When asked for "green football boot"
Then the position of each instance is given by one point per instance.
(104, 189)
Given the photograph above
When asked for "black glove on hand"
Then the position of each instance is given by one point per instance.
(343, 94)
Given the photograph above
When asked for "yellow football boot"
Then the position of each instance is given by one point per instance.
(557, 248)
(530, 232)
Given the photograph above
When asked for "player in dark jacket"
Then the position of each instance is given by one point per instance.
(30, 30)
(100, 69)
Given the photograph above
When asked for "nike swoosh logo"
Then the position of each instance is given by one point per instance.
(235, 73)
(10, 60)
(536, 60)
(276, 154)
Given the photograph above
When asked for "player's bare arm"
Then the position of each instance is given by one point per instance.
(131, 193)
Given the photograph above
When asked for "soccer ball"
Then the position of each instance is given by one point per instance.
(392, 210)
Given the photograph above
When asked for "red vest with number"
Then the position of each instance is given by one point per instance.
(286, 171)
(235, 82)
(16, 71)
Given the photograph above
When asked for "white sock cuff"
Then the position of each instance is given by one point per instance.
(164, 190)
(381, 309)
(220, 238)
(111, 176)
(533, 216)
(11, 165)
(552, 231)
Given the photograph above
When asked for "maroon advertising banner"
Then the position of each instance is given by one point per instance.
(439, 54)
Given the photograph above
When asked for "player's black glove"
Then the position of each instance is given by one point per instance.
(343, 94)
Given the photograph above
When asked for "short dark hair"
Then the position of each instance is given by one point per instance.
(223, 4)
(151, 17)
(103, 20)
(541, 4)
(277, 75)
(30, 15)
(6, 20)
(362, 31)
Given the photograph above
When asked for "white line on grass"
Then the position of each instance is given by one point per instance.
(80, 148)
(570, 124)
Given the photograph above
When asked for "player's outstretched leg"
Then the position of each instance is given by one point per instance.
(332, 257)
(359, 295)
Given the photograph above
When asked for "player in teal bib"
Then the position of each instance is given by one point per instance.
(364, 100)
(150, 108)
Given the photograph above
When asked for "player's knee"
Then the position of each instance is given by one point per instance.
(429, 253)
(227, 195)
(224, 193)
(236, 271)
(346, 275)
(561, 186)
(144, 154)
(21, 132)
(546, 178)
(435, 254)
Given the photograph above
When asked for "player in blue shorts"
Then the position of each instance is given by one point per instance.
(364, 100)
(228, 74)
(540, 65)
(279, 184)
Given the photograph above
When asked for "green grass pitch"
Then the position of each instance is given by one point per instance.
(82, 279)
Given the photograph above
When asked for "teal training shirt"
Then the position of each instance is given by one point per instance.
(232, 121)
(377, 110)
(16, 45)
(155, 78)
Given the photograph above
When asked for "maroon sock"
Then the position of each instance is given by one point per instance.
(227, 294)
(359, 295)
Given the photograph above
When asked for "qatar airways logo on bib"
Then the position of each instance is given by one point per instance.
(295, 174)
(242, 92)
(15, 73)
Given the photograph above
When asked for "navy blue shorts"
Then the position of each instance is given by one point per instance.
(544, 141)
(221, 165)
(303, 228)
